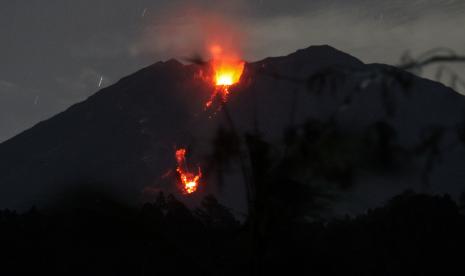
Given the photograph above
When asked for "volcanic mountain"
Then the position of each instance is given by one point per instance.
(122, 139)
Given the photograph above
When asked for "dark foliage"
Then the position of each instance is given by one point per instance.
(414, 234)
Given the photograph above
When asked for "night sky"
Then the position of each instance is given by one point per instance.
(58, 52)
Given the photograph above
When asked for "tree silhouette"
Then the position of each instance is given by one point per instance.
(296, 180)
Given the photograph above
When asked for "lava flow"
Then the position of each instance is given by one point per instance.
(227, 69)
(189, 181)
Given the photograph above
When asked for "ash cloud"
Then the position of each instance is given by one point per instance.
(190, 31)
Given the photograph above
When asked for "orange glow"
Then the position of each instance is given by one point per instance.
(189, 181)
(227, 69)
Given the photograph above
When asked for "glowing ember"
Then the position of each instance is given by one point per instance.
(189, 181)
(227, 69)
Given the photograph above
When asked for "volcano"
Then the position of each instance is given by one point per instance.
(122, 139)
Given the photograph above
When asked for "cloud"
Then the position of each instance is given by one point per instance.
(6, 86)
(58, 40)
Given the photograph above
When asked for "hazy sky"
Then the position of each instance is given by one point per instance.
(54, 53)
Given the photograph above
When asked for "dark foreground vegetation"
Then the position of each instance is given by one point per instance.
(283, 233)
(413, 234)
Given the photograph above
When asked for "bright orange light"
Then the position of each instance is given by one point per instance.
(224, 79)
(189, 181)
(227, 72)
(227, 69)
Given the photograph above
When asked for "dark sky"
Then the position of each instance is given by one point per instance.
(54, 53)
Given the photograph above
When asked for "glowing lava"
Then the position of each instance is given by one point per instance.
(189, 181)
(227, 69)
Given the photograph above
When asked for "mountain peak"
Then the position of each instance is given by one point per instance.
(307, 61)
(124, 135)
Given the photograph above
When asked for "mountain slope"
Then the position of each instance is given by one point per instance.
(122, 138)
